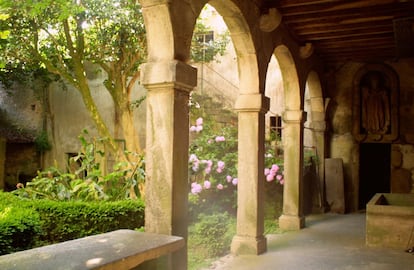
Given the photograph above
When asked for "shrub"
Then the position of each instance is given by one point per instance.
(64, 221)
(19, 226)
(212, 234)
(25, 224)
(88, 182)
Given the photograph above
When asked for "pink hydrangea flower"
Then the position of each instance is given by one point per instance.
(199, 128)
(220, 186)
(220, 164)
(207, 184)
(282, 181)
(199, 121)
(207, 170)
(220, 139)
(196, 188)
(193, 128)
(229, 178)
(266, 171)
(192, 158)
(275, 168)
(235, 181)
(270, 177)
(279, 177)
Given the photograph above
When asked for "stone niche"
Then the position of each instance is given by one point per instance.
(375, 104)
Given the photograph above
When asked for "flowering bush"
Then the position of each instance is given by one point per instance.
(213, 166)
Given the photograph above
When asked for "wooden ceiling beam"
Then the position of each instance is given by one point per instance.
(354, 44)
(384, 31)
(345, 17)
(335, 7)
(314, 28)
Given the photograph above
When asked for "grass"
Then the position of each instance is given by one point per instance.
(198, 253)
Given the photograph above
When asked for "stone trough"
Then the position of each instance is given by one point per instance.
(390, 221)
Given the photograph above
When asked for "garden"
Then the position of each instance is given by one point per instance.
(85, 199)
(58, 206)
(213, 181)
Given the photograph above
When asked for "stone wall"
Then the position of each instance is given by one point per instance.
(69, 117)
(341, 141)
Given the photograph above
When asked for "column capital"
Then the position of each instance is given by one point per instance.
(252, 103)
(166, 73)
(291, 116)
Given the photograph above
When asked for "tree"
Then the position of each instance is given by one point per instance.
(64, 36)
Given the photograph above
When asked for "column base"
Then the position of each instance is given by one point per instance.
(291, 223)
(244, 245)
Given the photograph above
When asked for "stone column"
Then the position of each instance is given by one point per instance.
(166, 186)
(250, 191)
(292, 217)
(318, 128)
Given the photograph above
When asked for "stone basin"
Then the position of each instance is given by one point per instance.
(390, 221)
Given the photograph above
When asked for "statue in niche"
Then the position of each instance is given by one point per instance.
(375, 118)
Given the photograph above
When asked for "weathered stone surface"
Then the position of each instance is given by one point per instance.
(396, 158)
(408, 155)
(334, 178)
(400, 181)
(121, 249)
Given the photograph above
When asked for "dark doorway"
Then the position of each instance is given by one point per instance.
(374, 171)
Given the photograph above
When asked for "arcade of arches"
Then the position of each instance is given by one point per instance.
(169, 80)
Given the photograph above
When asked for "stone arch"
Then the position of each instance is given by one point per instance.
(243, 44)
(290, 78)
(160, 39)
(168, 34)
(251, 106)
(292, 137)
(315, 127)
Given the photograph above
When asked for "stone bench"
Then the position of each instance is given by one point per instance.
(121, 249)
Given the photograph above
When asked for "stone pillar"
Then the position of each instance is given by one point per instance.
(318, 128)
(166, 186)
(250, 191)
(2, 161)
(292, 217)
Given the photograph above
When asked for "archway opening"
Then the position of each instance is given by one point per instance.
(314, 146)
(274, 90)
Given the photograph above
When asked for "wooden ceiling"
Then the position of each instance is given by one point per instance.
(368, 30)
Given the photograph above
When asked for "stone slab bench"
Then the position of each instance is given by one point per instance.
(121, 249)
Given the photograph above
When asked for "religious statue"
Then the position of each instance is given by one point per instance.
(375, 104)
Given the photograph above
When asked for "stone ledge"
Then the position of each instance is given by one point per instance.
(121, 249)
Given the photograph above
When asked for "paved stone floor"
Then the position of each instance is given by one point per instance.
(329, 242)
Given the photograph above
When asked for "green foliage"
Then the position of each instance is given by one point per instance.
(42, 142)
(135, 104)
(64, 221)
(26, 223)
(63, 37)
(212, 234)
(206, 44)
(19, 226)
(88, 182)
(212, 165)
